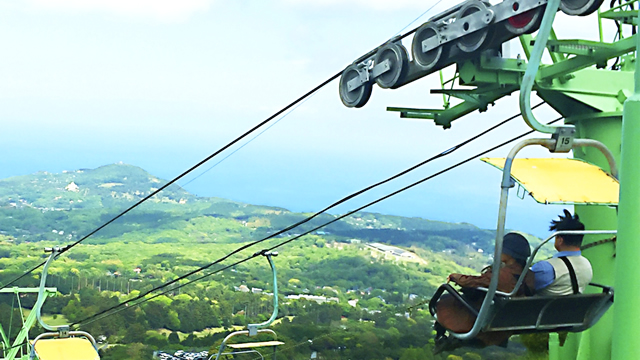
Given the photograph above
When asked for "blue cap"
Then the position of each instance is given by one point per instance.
(516, 246)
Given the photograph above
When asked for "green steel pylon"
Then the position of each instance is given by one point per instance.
(626, 313)
(14, 349)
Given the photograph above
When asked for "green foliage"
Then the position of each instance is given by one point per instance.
(174, 338)
(416, 354)
(135, 334)
(134, 351)
(536, 343)
(176, 233)
(471, 356)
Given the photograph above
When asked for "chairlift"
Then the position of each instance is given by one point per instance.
(255, 329)
(502, 311)
(60, 342)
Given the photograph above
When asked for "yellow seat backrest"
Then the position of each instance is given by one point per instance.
(75, 348)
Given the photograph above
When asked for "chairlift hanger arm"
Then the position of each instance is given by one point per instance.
(253, 327)
(55, 251)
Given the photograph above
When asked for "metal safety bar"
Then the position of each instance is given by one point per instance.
(446, 287)
(55, 251)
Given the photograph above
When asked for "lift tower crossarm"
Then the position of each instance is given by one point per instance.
(495, 77)
(474, 99)
(628, 16)
(600, 54)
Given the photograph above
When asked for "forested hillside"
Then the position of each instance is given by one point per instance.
(335, 286)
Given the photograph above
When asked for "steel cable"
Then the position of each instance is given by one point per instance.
(444, 153)
(174, 180)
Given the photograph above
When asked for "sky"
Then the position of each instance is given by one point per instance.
(161, 84)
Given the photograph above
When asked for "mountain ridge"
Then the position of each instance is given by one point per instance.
(94, 194)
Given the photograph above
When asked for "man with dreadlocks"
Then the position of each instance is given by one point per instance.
(567, 272)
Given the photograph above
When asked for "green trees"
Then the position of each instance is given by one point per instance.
(134, 351)
(174, 338)
(332, 330)
(416, 354)
(177, 233)
(135, 333)
(195, 315)
(160, 315)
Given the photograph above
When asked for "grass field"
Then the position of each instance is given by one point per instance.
(49, 319)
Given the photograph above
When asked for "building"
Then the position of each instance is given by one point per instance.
(392, 250)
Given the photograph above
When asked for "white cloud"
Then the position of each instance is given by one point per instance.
(161, 10)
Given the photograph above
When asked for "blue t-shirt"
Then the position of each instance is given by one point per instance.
(543, 271)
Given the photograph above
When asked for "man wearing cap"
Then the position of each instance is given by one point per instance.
(567, 272)
(515, 252)
(454, 316)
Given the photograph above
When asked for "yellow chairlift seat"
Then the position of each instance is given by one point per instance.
(73, 348)
(562, 181)
(251, 345)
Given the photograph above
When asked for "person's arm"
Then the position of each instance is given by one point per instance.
(544, 274)
(471, 281)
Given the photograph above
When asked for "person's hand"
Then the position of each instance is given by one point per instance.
(453, 277)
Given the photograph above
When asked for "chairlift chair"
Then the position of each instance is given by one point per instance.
(255, 329)
(61, 344)
(502, 311)
(520, 315)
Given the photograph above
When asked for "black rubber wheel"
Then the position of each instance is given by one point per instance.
(398, 61)
(475, 40)
(359, 96)
(580, 7)
(427, 59)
